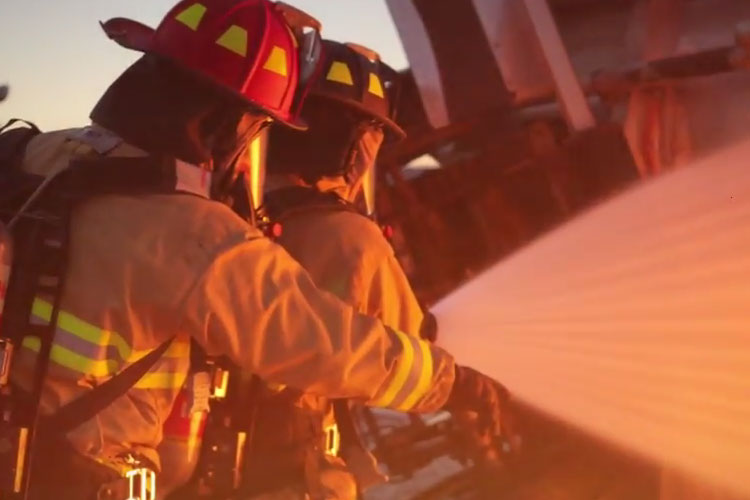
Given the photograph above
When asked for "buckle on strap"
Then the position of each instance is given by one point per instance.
(141, 484)
(136, 477)
(332, 440)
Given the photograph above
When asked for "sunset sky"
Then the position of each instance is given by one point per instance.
(58, 62)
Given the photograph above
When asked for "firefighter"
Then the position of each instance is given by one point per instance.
(148, 270)
(321, 194)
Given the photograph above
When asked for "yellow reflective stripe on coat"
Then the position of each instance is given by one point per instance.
(402, 372)
(162, 380)
(413, 376)
(424, 381)
(167, 379)
(74, 361)
(85, 348)
(42, 309)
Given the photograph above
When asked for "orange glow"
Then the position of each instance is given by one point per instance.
(239, 458)
(632, 321)
(20, 459)
(195, 437)
(220, 384)
(256, 170)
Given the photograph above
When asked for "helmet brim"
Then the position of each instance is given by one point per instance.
(391, 126)
(129, 33)
(294, 123)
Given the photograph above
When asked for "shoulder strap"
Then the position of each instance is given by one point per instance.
(91, 403)
(117, 175)
(13, 141)
(34, 129)
(15, 185)
(87, 178)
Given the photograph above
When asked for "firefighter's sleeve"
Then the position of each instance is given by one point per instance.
(258, 306)
(389, 297)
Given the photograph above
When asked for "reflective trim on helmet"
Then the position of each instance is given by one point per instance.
(192, 16)
(277, 61)
(234, 39)
(375, 87)
(340, 73)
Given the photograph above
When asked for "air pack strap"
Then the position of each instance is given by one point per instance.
(15, 185)
(94, 401)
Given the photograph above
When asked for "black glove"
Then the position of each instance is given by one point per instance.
(473, 391)
(429, 329)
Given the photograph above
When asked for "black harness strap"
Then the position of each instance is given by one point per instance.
(94, 401)
(87, 178)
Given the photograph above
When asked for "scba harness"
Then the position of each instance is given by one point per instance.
(36, 216)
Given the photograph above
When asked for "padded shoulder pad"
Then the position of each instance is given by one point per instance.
(13, 142)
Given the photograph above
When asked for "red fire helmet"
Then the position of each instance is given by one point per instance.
(265, 52)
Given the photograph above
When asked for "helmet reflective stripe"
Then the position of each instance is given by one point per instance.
(234, 39)
(191, 17)
(276, 61)
(375, 87)
(340, 73)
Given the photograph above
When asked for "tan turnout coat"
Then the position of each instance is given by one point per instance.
(147, 268)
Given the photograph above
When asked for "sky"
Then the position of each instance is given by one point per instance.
(58, 62)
